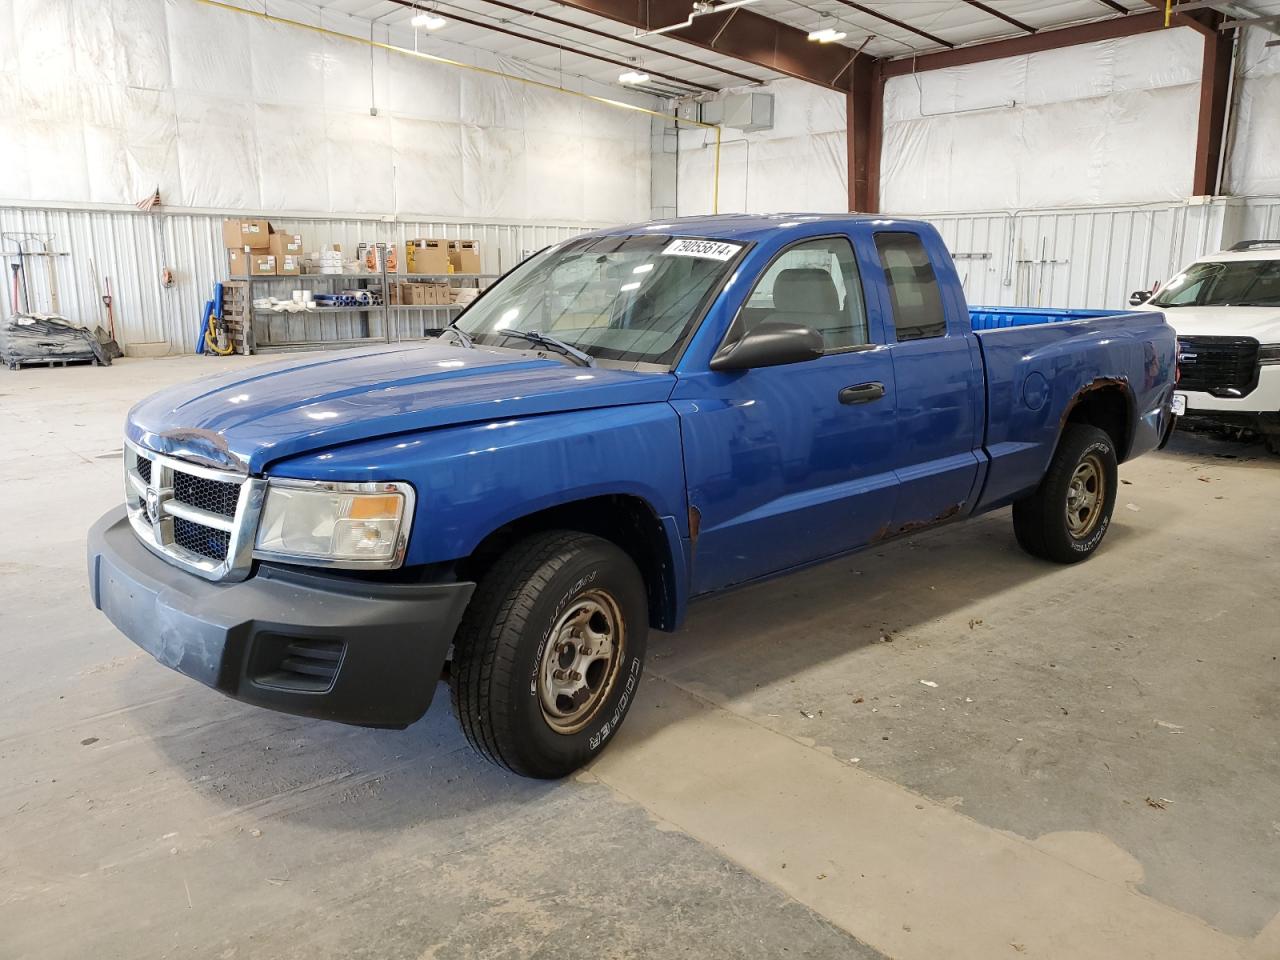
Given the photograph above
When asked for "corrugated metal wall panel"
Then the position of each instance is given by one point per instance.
(1092, 257)
(132, 248)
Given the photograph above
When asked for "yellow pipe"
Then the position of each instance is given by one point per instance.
(1168, 11)
(715, 178)
(619, 104)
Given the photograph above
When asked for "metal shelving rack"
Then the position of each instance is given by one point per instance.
(413, 321)
(398, 322)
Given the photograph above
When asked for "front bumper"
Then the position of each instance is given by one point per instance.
(1263, 398)
(312, 644)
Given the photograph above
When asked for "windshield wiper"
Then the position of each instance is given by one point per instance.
(464, 339)
(551, 343)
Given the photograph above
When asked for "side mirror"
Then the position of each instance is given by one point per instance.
(770, 344)
(1139, 297)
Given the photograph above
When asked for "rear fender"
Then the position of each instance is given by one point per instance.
(1037, 376)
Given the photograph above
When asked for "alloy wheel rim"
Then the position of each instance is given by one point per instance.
(580, 661)
(1086, 494)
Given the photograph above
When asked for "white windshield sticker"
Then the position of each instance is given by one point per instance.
(706, 249)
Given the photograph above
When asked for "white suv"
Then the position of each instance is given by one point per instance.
(1226, 310)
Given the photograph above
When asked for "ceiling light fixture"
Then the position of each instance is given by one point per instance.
(633, 77)
(827, 35)
(428, 21)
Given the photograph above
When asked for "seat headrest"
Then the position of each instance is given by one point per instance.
(805, 290)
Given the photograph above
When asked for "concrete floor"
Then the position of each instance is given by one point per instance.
(1095, 773)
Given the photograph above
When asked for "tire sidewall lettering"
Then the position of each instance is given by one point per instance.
(611, 725)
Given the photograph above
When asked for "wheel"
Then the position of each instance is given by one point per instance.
(1068, 515)
(548, 655)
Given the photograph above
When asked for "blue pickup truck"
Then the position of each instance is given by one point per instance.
(625, 422)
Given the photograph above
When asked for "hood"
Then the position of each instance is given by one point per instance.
(1261, 323)
(246, 420)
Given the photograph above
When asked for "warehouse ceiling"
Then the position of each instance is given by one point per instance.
(557, 38)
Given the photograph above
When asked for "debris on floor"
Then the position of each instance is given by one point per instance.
(929, 683)
(1156, 804)
(46, 338)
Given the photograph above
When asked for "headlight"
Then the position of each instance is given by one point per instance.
(1269, 353)
(335, 524)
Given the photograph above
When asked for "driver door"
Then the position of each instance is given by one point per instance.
(791, 464)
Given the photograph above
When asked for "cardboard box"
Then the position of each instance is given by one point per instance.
(245, 264)
(416, 294)
(288, 265)
(426, 256)
(237, 263)
(285, 245)
(464, 255)
(240, 232)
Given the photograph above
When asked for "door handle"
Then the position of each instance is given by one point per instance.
(862, 392)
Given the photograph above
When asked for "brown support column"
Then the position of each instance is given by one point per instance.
(1215, 84)
(864, 123)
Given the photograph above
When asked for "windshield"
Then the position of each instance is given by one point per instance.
(1230, 283)
(616, 298)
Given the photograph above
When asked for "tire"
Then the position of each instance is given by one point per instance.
(512, 676)
(1043, 521)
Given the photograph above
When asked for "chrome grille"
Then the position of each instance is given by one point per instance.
(196, 517)
(216, 496)
(200, 539)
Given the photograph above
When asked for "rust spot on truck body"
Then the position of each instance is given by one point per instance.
(911, 526)
(1101, 383)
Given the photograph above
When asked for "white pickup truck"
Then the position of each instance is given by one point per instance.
(1225, 308)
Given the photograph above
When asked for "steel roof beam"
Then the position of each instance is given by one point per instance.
(992, 11)
(1110, 29)
(897, 23)
(451, 14)
(740, 33)
(658, 51)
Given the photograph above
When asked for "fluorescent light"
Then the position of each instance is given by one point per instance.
(428, 21)
(827, 35)
(631, 76)
(635, 285)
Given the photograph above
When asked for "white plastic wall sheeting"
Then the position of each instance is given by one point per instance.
(800, 164)
(131, 248)
(1253, 157)
(1096, 124)
(1093, 257)
(102, 102)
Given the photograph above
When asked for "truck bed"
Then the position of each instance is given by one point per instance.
(1038, 362)
(996, 318)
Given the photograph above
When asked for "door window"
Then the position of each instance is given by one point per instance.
(814, 283)
(913, 287)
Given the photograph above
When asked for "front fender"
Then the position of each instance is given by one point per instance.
(471, 480)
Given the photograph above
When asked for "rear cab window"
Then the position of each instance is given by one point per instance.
(914, 294)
